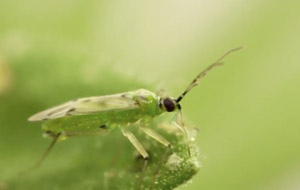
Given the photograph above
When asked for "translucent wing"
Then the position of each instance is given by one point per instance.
(88, 105)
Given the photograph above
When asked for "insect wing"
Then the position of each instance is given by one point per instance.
(52, 113)
(103, 104)
(84, 106)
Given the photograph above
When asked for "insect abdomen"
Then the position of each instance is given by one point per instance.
(92, 122)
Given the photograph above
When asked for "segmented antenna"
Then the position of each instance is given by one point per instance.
(195, 82)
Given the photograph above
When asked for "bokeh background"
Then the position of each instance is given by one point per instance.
(247, 111)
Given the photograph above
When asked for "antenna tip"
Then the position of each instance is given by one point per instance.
(237, 48)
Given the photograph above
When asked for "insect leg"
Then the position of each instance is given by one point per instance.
(135, 143)
(140, 149)
(40, 161)
(156, 136)
(38, 164)
(163, 141)
(180, 125)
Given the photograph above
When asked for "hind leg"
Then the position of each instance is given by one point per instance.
(45, 154)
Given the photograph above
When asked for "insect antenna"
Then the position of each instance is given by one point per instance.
(195, 82)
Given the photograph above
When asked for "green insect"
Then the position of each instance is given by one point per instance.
(94, 115)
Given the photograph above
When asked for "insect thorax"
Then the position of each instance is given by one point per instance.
(148, 102)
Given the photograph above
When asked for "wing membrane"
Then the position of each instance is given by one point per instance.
(84, 106)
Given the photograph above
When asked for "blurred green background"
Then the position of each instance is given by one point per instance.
(247, 111)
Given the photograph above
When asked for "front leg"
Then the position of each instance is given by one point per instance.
(180, 125)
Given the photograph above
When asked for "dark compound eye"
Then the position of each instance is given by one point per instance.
(169, 104)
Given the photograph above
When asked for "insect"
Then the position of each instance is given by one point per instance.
(92, 115)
